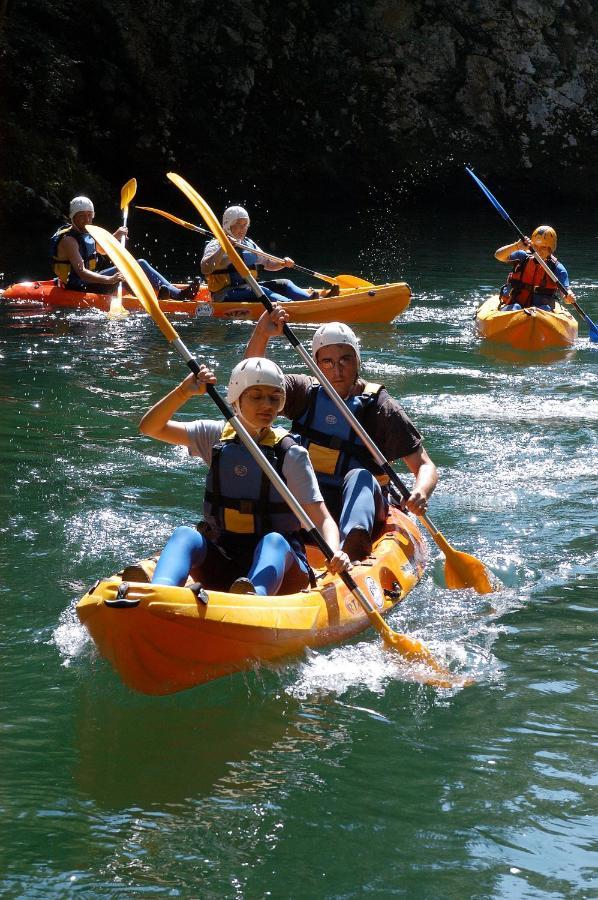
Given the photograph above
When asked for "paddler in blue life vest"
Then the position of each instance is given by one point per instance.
(75, 258)
(529, 284)
(225, 283)
(353, 485)
(250, 541)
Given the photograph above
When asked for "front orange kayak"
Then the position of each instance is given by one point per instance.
(375, 303)
(166, 639)
(526, 329)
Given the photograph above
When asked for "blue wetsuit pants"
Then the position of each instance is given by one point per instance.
(359, 504)
(277, 291)
(155, 278)
(273, 562)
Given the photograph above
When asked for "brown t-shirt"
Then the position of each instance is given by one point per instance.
(387, 423)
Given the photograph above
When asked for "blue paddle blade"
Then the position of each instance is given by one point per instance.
(593, 334)
(490, 196)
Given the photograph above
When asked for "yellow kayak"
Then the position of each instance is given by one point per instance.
(166, 639)
(529, 329)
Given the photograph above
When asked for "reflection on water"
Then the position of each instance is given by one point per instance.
(222, 790)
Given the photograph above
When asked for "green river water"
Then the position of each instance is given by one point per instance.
(333, 775)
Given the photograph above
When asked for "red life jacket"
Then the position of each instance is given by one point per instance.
(528, 279)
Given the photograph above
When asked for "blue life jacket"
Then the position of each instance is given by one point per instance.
(334, 448)
(228, 277)
(240, 501)
(62, 267)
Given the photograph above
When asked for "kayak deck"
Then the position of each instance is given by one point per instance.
(529, 329)
(375, 304)
(164, 639)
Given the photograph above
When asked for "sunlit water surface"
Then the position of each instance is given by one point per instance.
(337, 774)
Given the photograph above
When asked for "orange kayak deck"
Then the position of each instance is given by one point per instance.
(375, 304)
(164, 639)
(530, 329)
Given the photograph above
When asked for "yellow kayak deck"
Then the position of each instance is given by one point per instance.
(165, 639)
(529, 329)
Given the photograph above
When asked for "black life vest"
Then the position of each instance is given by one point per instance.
(240, 501)
(62, 267)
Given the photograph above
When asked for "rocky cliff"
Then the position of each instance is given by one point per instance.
(319, 100)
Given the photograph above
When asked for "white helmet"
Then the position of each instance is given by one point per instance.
(232, 215)
(252, 371)
(80, 204)
(334, 333)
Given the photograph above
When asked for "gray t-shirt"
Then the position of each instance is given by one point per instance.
(296, 468)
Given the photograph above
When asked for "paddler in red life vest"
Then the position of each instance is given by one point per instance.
(529, 284)
(249, 536)
(225, 283)
(353, 485)
(75, 258)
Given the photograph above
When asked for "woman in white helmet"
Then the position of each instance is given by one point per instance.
(249, 541)
(75, 258)
(352, 484)
(224, 281)
(529, 284)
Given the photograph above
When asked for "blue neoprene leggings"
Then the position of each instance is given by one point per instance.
(279, 291)
(186, 549)
(155, 278)
(360, 505)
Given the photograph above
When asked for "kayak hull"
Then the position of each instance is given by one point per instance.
(170, 640)
(530, 329)
(375, 304)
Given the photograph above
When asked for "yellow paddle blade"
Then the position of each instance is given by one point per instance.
(211, 221)
(136, 278)
(117, 310)
(462, 570)
(352, 281)
(167, 215)
(127, 193)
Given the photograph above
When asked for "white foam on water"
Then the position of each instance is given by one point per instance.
(70, 637)
(518, 409)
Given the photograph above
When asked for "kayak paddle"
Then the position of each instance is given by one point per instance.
(461, 569)
(592, 326)
(127, 193)
(348, 281)
(410, 648)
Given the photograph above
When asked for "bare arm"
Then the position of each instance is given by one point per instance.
(426, 479)
(318, 513)
(157, 422)
(268, 325)
(69, 247)
(503, 253)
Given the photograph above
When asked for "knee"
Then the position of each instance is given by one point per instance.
(360, 478)
(184, 534)
(274, 542)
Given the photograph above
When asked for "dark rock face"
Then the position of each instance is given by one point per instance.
(312, 100)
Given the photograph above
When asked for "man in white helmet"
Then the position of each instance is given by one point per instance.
(75, 258)
(353, 485)
(224, 281)
(529, 284)
(249, 536)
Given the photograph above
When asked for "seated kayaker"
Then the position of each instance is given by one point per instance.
(75, 258)
(529, 284)
(225, 283)
(353, 485)
(250, 541)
